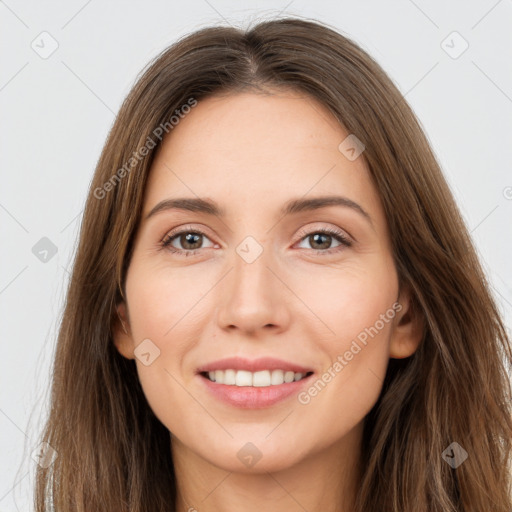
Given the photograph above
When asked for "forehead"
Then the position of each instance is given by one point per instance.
(254, 150)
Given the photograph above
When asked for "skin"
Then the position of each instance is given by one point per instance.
(251, 153)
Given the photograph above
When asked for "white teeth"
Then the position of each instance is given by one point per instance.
(288, 376)
(277, 377)
(242, 378)
(230, 377)
(262, 378)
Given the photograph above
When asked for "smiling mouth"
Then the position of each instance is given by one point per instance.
(243, 378)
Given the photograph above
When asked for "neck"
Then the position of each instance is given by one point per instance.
(326, 481)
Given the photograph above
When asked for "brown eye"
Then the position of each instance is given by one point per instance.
(321, 240)
(189, 241)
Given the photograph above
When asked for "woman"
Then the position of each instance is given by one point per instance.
(212, 356)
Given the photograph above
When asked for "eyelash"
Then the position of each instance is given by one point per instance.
(334, 233)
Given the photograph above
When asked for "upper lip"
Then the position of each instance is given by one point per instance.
(253, 365)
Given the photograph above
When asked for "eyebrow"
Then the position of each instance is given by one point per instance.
(210, 207)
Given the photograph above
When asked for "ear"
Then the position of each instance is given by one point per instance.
(408, 326)
(122, 334)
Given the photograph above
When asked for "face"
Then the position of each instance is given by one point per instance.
(290, 307)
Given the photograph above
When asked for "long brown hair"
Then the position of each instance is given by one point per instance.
(114, 454)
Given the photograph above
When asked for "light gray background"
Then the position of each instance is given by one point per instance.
(56, 113)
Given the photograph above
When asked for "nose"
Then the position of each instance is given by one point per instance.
(254, 297)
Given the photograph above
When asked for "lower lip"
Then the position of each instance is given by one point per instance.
(249, 397)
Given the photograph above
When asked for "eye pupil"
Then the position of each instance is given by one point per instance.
(188, 239)
(324, 245)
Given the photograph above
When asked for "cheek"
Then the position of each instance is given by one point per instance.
(164, 306)
(345, 302)
(162, 299)
(358, 309)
